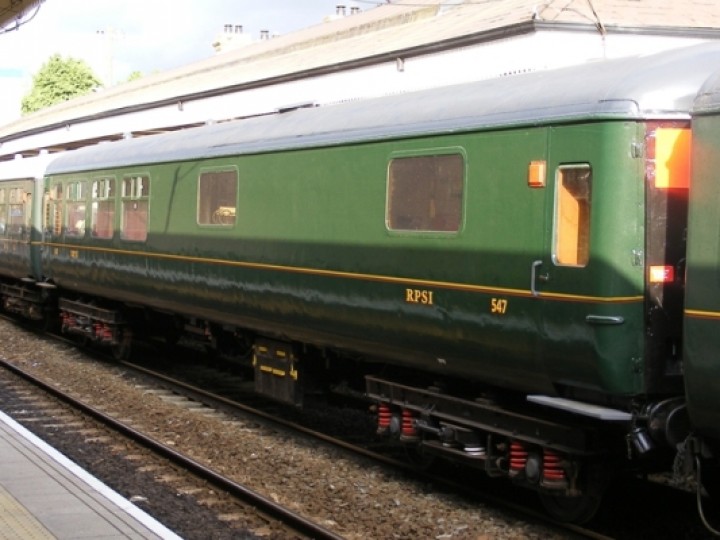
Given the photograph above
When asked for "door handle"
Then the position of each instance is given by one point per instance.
(535, 277)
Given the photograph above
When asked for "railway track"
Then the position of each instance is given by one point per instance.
(617, 524)
(288, 521)
(215, 400)
(623, 517)
(355, 500)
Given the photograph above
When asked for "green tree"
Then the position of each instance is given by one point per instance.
(59, 80)
(134, 76)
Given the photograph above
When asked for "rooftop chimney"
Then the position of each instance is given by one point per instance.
(228, 28)
(340, 10)
(264, 34)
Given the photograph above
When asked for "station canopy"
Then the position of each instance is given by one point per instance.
(12, 11)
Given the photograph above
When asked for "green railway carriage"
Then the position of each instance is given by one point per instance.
(702, 307)
(523, 234)
(21, 188)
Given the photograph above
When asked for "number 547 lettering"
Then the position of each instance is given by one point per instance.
(498, 306)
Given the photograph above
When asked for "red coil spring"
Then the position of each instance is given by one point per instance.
(384, 417)
(552, 466)
(408, 424)
(103, 331)
(518, 457)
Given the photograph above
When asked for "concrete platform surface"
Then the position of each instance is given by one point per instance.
(44, 495)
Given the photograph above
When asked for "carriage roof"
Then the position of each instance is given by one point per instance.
(636, 87)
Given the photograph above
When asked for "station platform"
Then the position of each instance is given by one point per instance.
(44, 495)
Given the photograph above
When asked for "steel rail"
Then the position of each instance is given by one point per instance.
(211, 399)
(293, 520)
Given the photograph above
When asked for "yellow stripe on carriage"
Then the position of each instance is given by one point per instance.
(404, 281)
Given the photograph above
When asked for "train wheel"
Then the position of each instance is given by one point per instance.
(171, 336)
(418, 458)
(579, 510)
(47, 323)
(708, 494)
(709, 476)
(122, 350)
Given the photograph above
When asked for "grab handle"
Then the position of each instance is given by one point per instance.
(535, 277)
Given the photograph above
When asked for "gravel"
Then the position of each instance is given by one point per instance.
(354, 498)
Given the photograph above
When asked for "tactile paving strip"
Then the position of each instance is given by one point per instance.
(16, 523)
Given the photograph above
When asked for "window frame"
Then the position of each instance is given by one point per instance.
(134, 199)
(16, 223)
(109, 199)
(75, 195)
(577, 231)
(54, 214)
(427, 153)
(199, 200)
(4, 222)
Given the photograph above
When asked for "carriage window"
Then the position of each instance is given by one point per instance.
(53, 210)
(102, 217)
(3, 212)
(425, 193)
(16, 208)
(135, 200)
(217, 197)
(571, 246)
(75, 196)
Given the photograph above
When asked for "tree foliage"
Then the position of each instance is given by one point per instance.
(59, 80)
(134, 76)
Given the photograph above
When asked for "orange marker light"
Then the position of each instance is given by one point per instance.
(662, 274)
(537, 174)
(672, 157)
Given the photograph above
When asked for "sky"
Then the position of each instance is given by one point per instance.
(118, 37)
